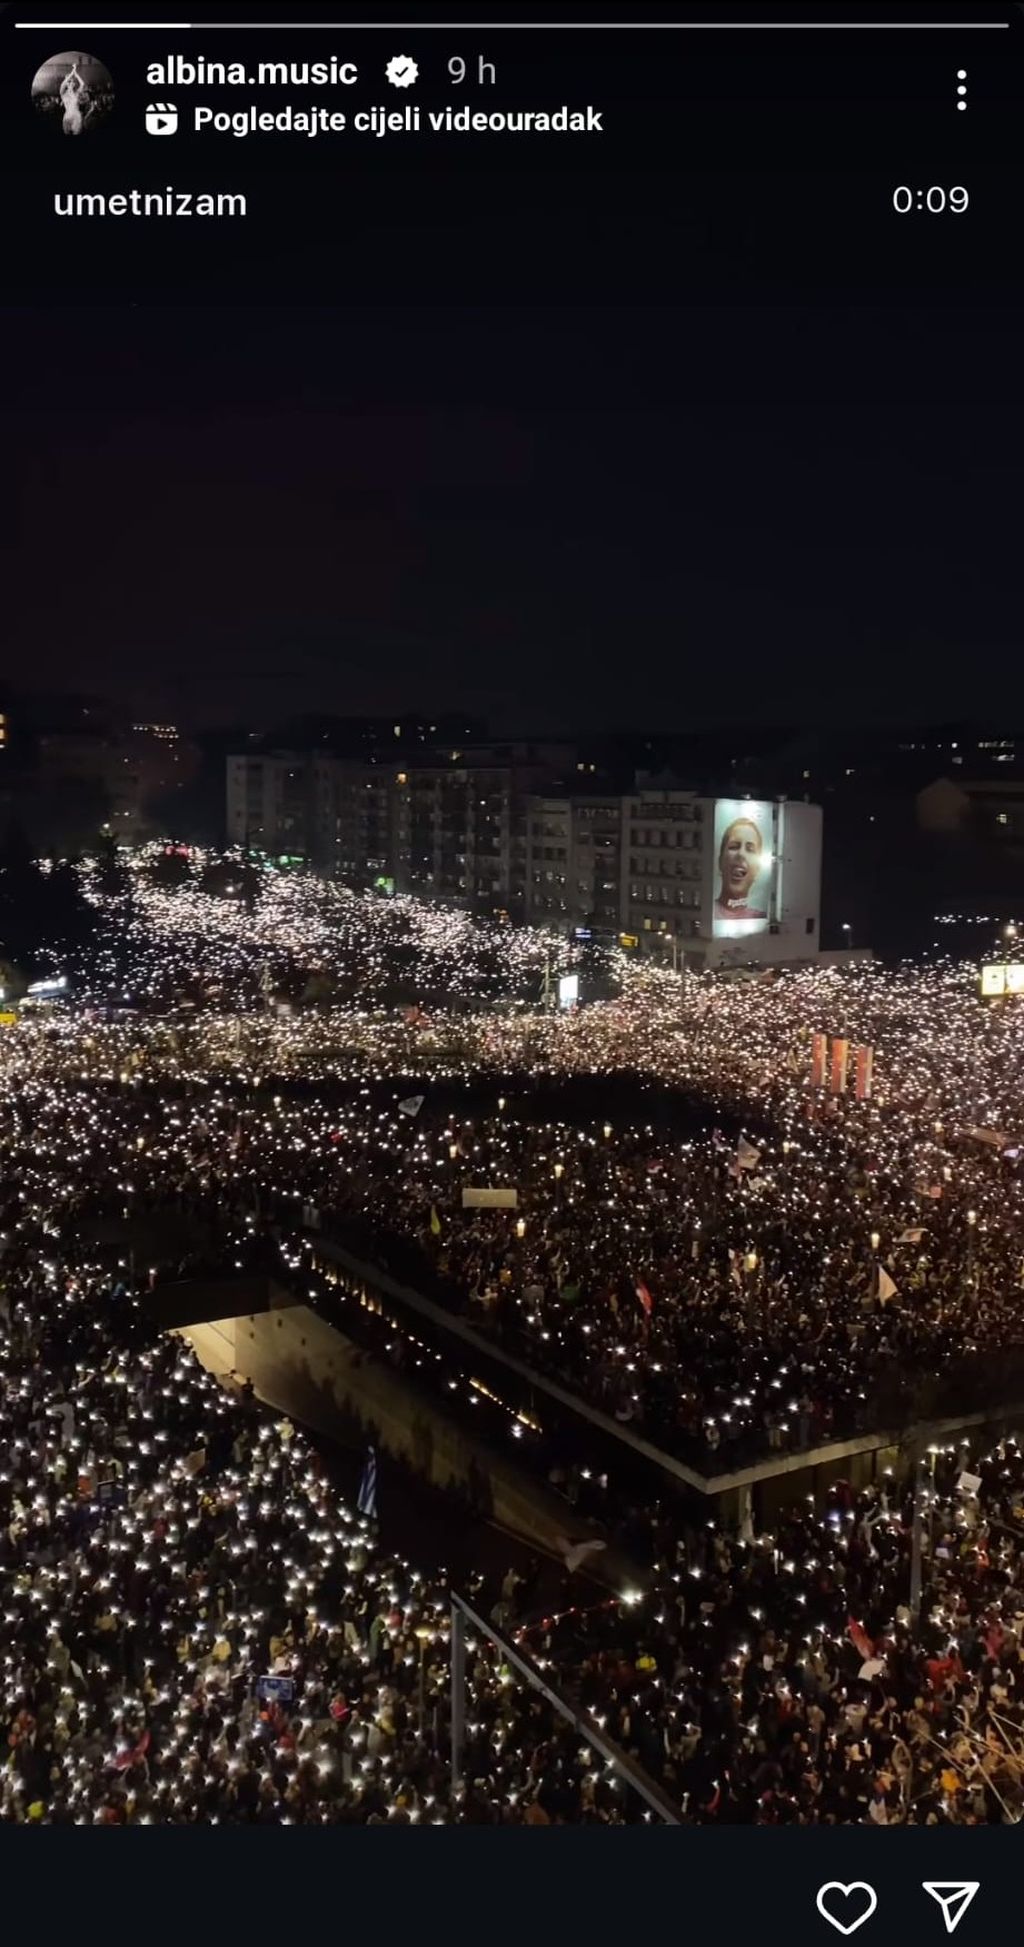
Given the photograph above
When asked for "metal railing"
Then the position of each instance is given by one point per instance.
(589, 1730)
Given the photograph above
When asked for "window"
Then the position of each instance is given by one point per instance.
(809, 925)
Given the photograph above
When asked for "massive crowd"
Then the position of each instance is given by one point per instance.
(861, 1265)
(762, 1271)
(197, 1629)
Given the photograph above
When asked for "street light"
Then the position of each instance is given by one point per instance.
(848, 930)
(424, 1635)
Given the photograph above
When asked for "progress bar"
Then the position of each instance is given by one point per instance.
(526, 26)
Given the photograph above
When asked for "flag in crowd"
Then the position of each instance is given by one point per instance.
(366, 1499)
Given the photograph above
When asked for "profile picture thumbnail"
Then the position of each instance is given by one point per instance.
(74, 92)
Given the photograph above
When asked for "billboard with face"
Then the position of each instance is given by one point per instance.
(744, 868)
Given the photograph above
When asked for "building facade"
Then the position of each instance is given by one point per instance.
(457, 833)
(269, 803)
(693, 880)
(124, 777)
(573, 864)
(658, 869)
(452, 827)
(353, 820)
(719, 882)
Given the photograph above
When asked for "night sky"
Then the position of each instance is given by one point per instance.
(688, 429)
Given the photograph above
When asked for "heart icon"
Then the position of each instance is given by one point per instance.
(840, 1893)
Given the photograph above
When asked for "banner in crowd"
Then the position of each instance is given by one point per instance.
(864, 1068)
(366, 1499)
(490, 1199)
(840, 1060)
(819, 1056)
(887, 1287)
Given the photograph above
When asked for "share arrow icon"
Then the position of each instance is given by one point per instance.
(954, 1897)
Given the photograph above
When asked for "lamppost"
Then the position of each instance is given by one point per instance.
(924, 1497)
(972, 1225)
(848, 930)
(424, 1635)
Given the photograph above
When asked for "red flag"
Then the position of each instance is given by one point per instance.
(860, 1639)
(645, 1297)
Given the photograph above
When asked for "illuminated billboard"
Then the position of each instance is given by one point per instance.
(744, 868)
(568, 990)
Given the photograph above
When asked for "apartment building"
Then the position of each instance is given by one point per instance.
(697, 881)
(353, 815)
(662, 894)
(573, 866)
(451, 828)
(269, 802)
